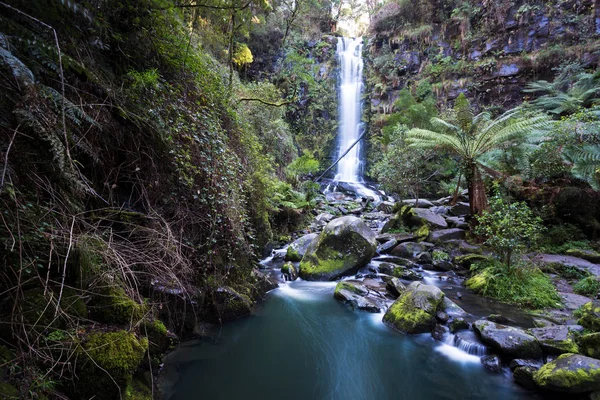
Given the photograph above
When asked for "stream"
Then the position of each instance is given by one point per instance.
(303, 344)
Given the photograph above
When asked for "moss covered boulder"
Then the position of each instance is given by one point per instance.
(230, 304)
(589, 315)
(414, 311)
(507, 340)
(159, 338)
(289, 271)
(557, 339)
(297, 249)
(106, 364)
(112, 305)
(354, 294)
(345, 245)
(570, 373)
(589, 345)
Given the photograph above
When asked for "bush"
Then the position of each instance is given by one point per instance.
(589, 286)
(525, 286)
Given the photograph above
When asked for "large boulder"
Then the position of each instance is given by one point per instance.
(570, 373)
(507, 340)
(460, 209)
(297, 249)
(345, 245)
(414, 311)
(557, 339)
(444, 235)
(589, 316)
(421, 216)
(229, 304)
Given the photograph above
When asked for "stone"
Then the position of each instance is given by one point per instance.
(469, 259)
(297, 248)
(573, 301)
(589, 316)
(289, 271)
(410, 249)
(438, 332)
(442, 317)
(492, 363)
(420, 216)
(395, 287)
(345, 245)
(589, 255)
(457, 222)
(570, 261)
(353, 293)
(407, 274)
(421, 203)
(324, 218)
(460, 209)
(458, 324)
(521, 362)
(589, 345)
(557, 339)
(386, 207)
(387, 246)
(424, 258)
(444, 235)
(230, 304)
(398, 237)
(414, 311)
(507, 340)
(524, 376)
(570, 373)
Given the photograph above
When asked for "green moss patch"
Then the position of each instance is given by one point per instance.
(570, 373)
(589, 345)
(414, 311)
(589, 315)
(112, 305)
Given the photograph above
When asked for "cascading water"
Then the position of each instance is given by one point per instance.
(349, 52)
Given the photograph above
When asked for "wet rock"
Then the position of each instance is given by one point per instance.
(414, 311)
(386, 207)
(460, 209)
(345, 245)
(410, 249)
(444, 235)
(421, 203)
(387, 246)
(335, 196)
(289, 271)
(421, 216)
(570, 373)
(458, 324)
(520, 362)
(394, 286)
(442, 317)
(589, 345)
(391, 262)
(443, 265)
(398, 237)
(407, 274)
(297, 248)
(524, 376)
(424, 258)
(507, 340)
(230, 304)
(438, 332)
(500, 319)
(589, 316)
(492, 363)
(353, 293)
(557, 339)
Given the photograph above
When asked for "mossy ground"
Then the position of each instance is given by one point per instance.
(112, 305)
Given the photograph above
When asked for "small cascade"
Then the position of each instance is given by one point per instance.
(463, 343)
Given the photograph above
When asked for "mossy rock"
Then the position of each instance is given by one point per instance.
(137, 390)
(353, 287)
(39, 309)
(414, 311)
(345, 245)
(106, 364)
(590, 255)
(458, 324)
(290, 272)
(112, 305)
(298, 248)
(507, 340)
(589, 315)
(230, 304)
(469, 259)
(158, 336)
(589, 345)
(570, 373)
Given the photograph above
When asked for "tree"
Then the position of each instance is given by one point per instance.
(472, 136)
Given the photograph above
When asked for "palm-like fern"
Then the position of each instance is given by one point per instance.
(472, 136)
(585, 161)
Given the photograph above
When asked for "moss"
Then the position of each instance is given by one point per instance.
(589, 345)
(8, 391)
(137, 390)
(414, 312)
(343, 285)
(458, 324)
(469, 259)
(589, 315)
(422, 233)
(38, 309)
(292, 254)
(109, 361)
(289, 270)
(589, 255)
(112, 305)
(157, 334)
(569, 373)
(589, 286)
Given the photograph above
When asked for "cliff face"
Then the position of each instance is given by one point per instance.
(487, 50)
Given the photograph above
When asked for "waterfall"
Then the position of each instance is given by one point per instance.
(349, 53)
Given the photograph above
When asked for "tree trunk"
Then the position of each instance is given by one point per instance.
(477, 196)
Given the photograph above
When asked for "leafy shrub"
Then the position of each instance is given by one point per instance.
(525, 286)
(589, 286)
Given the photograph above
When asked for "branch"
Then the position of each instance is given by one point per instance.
(206, 6)
(268, 103)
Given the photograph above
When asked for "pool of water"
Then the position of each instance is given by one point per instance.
(303, 344)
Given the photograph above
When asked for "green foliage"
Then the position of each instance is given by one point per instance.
(525, 286)
(303, 165)
(508, 228)
(589, 286)
(438, 255)
(242, 55)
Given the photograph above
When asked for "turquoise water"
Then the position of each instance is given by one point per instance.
(303, 344)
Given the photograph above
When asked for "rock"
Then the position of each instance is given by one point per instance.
(469, 259)
(458, 324)
(386, 207)
(444, 235)
(589, 316)
(520, 362)
(297, 248)
(345, 245)
(422, 203)
(452, 309)
(570, 373)
(524, 376)
(414, 311)
(335, 197)
(460, 209)
(573, 301)
(388, 263)
(557, 339)
(261, 283)
(570, 261)
(438, 332)
(421, 216)
(509, 341)
(589, 255)
(352, 293)
(407, 274)
(410, 249)
(589, 345)
(289, 271)
(398, 237)
(499, 319)
(457, 222)
(230, 305)
(424, 258)
(324, 218)
(343, 210)
(443, 265)
(387, 246)
(492, 363)
(442, 317)
(395, 287)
